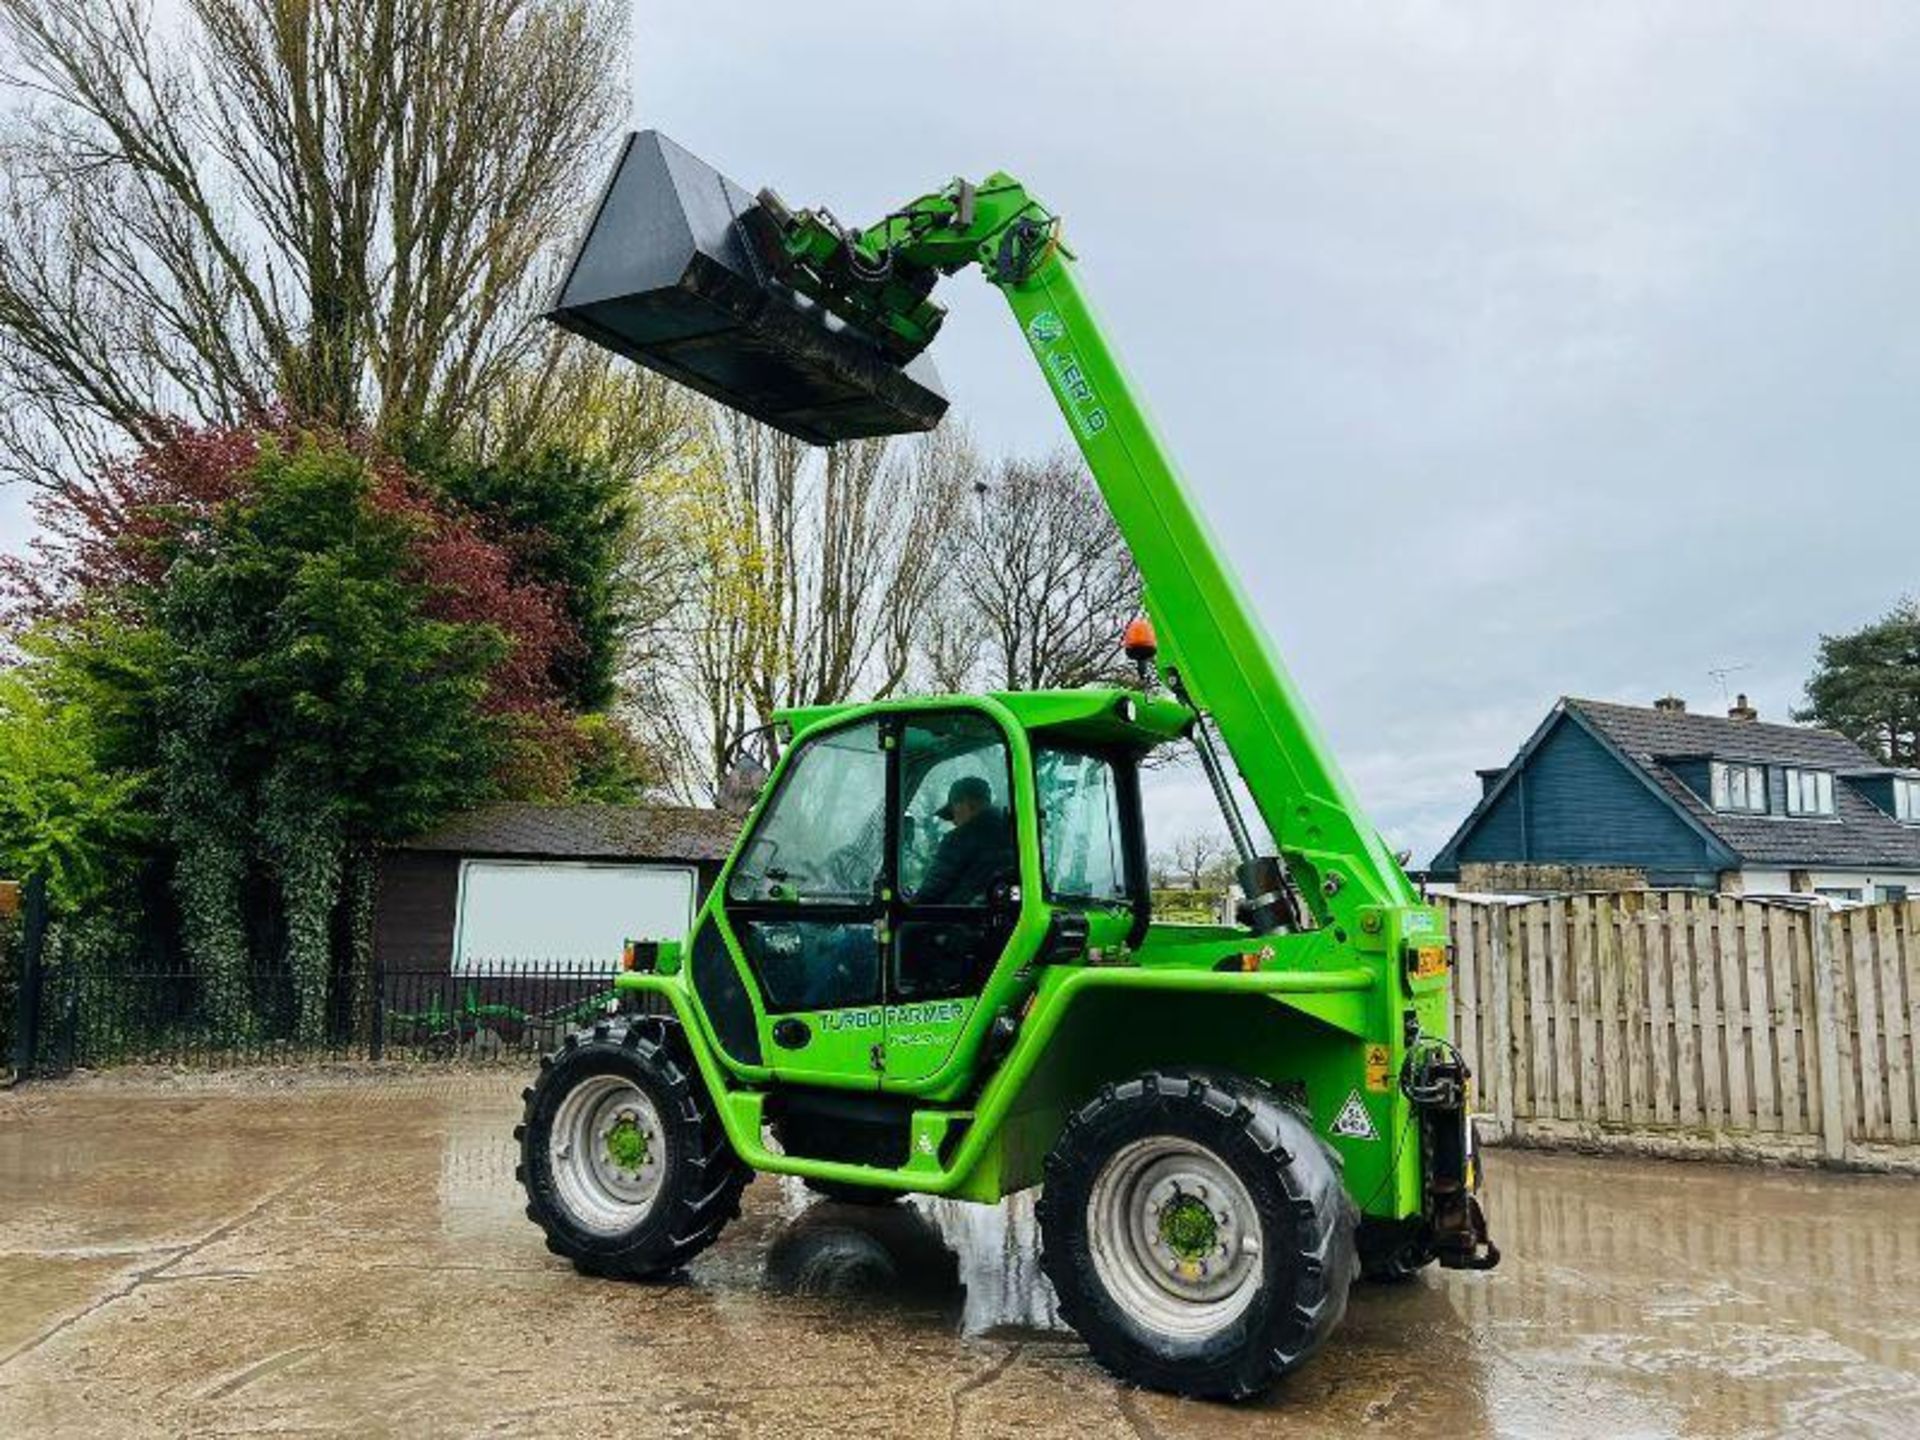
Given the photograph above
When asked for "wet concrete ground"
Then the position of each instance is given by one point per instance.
(349, 1257)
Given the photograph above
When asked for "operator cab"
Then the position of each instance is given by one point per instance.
(911, 858)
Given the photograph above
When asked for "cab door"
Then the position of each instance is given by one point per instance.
(805, 902)
(1092, 850)
(956, 873)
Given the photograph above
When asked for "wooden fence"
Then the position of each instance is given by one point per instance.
(1694, 1023)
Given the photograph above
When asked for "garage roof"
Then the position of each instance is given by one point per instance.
(585, 832)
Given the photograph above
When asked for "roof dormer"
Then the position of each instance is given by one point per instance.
(1893, 792)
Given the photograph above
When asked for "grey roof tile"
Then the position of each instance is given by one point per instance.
(601, 832)
(1640, 730)
(1861, 834)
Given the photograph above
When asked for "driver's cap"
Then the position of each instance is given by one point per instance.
(967, 787)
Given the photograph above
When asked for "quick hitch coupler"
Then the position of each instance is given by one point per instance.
(1436, 1080)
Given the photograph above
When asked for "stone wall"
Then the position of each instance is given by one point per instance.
(1511, 878)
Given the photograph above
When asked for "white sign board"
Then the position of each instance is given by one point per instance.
(518, 914)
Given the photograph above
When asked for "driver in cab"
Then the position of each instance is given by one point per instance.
(976, 852)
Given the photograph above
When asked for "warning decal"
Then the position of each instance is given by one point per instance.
(1353, 1122)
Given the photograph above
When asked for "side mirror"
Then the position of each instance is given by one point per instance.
(740, 786)
(755, 864)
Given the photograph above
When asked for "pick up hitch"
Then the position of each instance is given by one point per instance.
(1435, 1079)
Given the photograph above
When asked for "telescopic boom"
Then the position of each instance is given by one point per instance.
(1215, 652)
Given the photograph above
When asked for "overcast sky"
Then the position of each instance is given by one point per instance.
(1516, 350)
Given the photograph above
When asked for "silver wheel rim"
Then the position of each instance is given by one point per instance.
(1167, 1268)
(608, 1153)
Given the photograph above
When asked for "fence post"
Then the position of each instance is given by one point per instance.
(26, 1014)
(377, 1041)
(1826, 1035)
(1500, 1003)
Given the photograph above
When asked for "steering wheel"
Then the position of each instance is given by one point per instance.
(847, 870)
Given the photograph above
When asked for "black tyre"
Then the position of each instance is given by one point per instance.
(894, 1254)
(851, 1194)
(625, 1165)
(1197, 1234)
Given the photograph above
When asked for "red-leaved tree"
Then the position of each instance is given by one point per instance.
(104, 542)
(105, 537)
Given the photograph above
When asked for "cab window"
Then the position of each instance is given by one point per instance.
(959, 858)
(1081, 850)
(956, 826)
(823, 836)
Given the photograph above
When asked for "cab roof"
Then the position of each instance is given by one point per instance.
(1102, 715)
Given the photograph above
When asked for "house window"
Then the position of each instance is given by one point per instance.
(1741, 788)
(1906, 799)
(1893, 894)
(1809, 792)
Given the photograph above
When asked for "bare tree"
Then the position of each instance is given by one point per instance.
(869, 569)
(814, 578)
(591, 402)
(1043, 575)
(1160, 870)
(346, 207)
(1198, 858)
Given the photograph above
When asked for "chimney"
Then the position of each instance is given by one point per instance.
(1672, 704)
(1490, 778)
(1741, 710)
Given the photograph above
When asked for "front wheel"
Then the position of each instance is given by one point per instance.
(624, 1162)
(1197, 1233)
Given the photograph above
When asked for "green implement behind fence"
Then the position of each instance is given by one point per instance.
(451, 1028)
(931, 963)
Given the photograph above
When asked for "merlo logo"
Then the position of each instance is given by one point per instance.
(1045, 328)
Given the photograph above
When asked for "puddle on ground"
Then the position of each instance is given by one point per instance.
(976, 1265)
(979, 1264)
(369, 1240)
(1664, 1298)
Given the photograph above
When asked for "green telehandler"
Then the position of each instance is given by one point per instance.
(931, 964)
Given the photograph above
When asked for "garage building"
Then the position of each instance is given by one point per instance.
(513, 886)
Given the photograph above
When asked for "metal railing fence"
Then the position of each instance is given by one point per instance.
(93, 1014)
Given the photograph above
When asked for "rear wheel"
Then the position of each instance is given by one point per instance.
(625, 1165)
(1197, 1234)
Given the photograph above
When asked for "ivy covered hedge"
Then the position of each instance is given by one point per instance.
(9, 982)
(249, 657)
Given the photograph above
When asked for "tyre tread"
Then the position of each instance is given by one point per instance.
(700, 1204)
(1302, 1166)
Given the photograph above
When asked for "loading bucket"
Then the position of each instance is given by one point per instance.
(667, 277)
